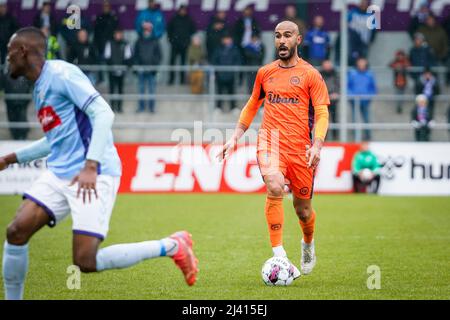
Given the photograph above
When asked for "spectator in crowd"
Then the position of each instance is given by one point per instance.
(446, 26)
(360, 37)
(85, 53)
(105, 25)
(147, 53)
(245, 27)
(196, 56)
(436, 38)
(154, 16)
(317, 42)
(180, 30)
(227, 55)
(254, 53)
(361, 81)
(70, 35)
(400, 65)
(290, 14)
(420, 55)
(419, 19)
(45, 18)
(365, 170)
(117, 52)
(428, 85)
(331, 78)
(16, 109)
(8, 25)
(53, 48)
(215, 31)
(448, 120)
(421, 119)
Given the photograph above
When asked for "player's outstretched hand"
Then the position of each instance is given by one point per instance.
(87, 181)
(3, 163)
(313, 155)
(227, 149)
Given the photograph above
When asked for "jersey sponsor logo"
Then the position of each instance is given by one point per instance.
(295, 81)
(275, 227)
(48, 118)
(277, 98)
(304, 191)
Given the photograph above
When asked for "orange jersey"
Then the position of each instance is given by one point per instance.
(290, 96)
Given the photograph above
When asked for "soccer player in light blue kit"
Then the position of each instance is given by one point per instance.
(83, 173)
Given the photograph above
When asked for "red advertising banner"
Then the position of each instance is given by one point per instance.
(406, 169)
(157, 168)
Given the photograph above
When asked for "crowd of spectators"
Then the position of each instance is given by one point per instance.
(101, 41)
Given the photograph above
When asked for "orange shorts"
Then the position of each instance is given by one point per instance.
(292, 166)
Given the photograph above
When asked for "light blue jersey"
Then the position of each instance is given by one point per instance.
(61, 95)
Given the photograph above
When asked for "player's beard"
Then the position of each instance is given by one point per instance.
(292, 51)
(12, 70)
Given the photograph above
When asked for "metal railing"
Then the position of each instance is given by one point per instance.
(210, 97)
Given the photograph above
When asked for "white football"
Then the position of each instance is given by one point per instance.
(277, 271)
(366, 175)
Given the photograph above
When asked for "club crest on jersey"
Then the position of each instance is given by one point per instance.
(48, 118)
(295, 80)
(277, 98)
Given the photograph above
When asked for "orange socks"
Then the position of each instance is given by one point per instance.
(275, 220)
(308, 228)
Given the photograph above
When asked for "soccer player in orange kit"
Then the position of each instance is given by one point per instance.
(295, 102)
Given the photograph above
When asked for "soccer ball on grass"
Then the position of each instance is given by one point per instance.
(277, 271)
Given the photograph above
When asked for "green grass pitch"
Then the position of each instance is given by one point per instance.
(407, 237)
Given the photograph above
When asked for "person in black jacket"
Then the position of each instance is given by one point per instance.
(117, 52)
(70, 35)
(448, 120)
(16, 108)
(85, 53)
(180, 30)
(227, 55)
(331, 78)
(215, 31)
(105, 25)
(46, 19)
(254, 53)
(147, 52)
(8, 25)
(420, 55)
(245, 27)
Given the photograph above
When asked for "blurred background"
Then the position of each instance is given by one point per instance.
(165, 64)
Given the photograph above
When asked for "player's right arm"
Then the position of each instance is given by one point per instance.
(248, 113)
(356, 164)
(37, 150)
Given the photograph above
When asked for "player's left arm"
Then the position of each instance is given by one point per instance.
(80, 91)
(102, 119)
(36, 150)
(320, 101)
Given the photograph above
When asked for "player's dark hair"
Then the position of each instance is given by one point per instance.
(32, 32)
(35, 35)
